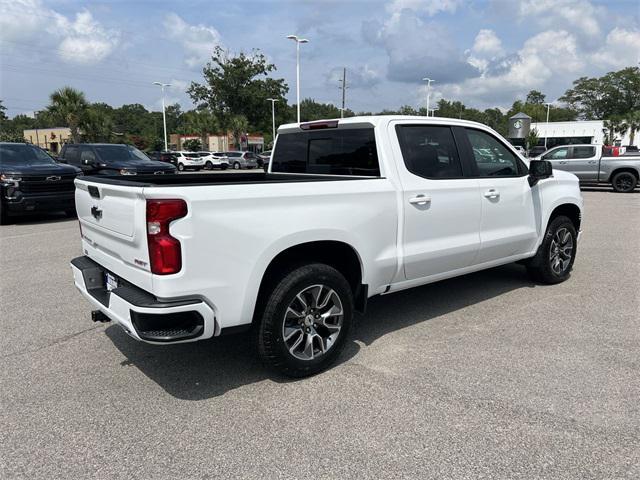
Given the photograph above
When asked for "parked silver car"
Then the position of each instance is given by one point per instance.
(238, 160)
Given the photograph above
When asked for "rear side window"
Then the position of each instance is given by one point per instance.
(349, 151)
(583, 152)
(429, 151)
(72, 155)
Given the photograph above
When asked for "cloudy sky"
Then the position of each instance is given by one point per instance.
(486, 53)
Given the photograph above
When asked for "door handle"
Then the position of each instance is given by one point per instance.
(492, 193)
(420, 200)
(563, 162)
(592, 162)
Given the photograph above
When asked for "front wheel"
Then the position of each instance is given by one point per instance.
(306, 321)
(4, 216)
(624, 182)
(555, 256)
(208, 165)
(224, 166)
(236, 166)
(181, 167)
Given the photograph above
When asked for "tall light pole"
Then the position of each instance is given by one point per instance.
(428, 80)
(344, 89)
(298, 42)
(35, 117)
(547, 125)
(164, 116)
(273, 118)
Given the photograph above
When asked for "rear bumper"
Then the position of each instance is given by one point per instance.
(141, 314)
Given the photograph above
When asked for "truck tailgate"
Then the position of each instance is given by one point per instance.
(113, 222)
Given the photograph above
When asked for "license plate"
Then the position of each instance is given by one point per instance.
(110, 281)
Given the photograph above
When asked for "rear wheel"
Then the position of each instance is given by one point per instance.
(556, 254)
(71, 213)
(624, 182)
(224, 166)
(181, 167)
(306, 321)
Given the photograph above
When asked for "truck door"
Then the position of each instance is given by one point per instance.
(583, 162)
(441, 207)
(509, 225)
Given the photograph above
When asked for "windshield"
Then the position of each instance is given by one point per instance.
(114, 153)
(19, 154)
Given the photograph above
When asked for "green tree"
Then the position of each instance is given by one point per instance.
(202, 122)
(238, 85)
(69, 105)
(311, 110)
(238, 125)
(615, 93)
(193, 145)
(532, 138)
(631, 123)
(535, 97)
(97, 123)
(3, 116)
(613, 125)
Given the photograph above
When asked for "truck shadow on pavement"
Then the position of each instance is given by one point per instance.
(201, 370)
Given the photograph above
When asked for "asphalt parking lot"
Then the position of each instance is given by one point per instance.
(484, 376)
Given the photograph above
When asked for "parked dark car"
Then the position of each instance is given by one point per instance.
(263, 158)
(537, 151)
(167, 157)
(31, 181)
(112, 159)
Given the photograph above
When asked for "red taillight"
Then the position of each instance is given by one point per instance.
(164, 250)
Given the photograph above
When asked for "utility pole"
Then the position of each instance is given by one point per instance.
(344, 90)
(35, 116)
(547, 125)
(164, 117)
(428, 80)
(298, 41)
(273, 118)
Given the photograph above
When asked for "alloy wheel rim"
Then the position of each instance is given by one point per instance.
(312, 322)
(560, 251)
(624, 182)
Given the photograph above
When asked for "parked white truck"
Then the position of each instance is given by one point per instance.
(348, 209)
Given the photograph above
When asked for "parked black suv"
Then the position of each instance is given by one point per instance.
(111, 159)
(31, 181)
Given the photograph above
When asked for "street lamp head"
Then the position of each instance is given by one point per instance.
(297, 39)
(272, 100)
(292, 37)
(303, 40)
(160, 84)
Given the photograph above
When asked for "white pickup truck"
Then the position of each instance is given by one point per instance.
(348, 209)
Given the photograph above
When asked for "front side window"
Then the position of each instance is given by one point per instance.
(347, 151)
(492, 157)
(114, 153)
(557, 154)
(583, 152)
(429, 151)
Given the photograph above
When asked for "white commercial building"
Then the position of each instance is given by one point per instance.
(565, 133)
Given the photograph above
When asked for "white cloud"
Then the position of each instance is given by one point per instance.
(621, 49)
(416, 48)
(80, 40)
(428, 7)
(547, 56)
(198, 41)
(487, 43)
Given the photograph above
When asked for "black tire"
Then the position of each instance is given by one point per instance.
(236, 166)
(269, 327)
(208, 165)
(71, 213)
(624, 182)
(224, 166)
(545, 266)
(181, 167)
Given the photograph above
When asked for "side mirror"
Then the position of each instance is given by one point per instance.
(539, 170)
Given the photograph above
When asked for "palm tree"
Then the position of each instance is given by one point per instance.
(613, 125)
(69, 106)
(238, 125)
(631, 123)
